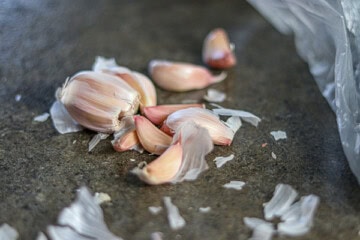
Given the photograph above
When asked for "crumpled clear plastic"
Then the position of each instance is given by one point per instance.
(327, 36)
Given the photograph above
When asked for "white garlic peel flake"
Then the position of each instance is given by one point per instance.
(300, 221)
(237, 185)
(84, 217)
(176, 221)
(284, 196)
(214, 95)
(196, 144)
(42, 118)
(263, 232)
(204, 209)
(41, 236)
(8, 233)
(155, 210)
(101, 197)
(220, 161)
(96, 139)
(278, 135)
(62, 120)
(234, 123)
(246, 116)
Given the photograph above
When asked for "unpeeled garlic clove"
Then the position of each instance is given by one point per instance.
(97, 100)
(183, 160)
(162, 169)
(219, 132)
(157, 114)
(217, 51)
(141, 83)
(151, 138)
(179, 77)
(128, 141)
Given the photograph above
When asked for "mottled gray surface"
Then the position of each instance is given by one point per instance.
(43, 42)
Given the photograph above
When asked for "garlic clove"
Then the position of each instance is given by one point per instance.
(157, 114)
(219, 132)
(128, 141)
(217, 51)
(179, 77)
(183, 160)
(141, 83)
(151, 138)
(97, 100)
(162, 169)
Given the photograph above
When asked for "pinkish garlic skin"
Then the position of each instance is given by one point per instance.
(219, 132)
(180, 77)
(157, 114)
(217, 52)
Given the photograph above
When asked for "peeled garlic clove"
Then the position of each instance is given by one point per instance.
(151, 138)
(162, 169)
(97, 100)
(217, 52)
(179, 77)
(183, 160)
(157, 114)
(141, 83)
(219, 132)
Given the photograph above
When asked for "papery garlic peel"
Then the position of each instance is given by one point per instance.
(219, 132)
(157, 114)
(97, 100)
(179, 77)
(217, 52)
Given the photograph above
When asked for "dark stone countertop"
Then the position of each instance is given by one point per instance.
(43, 42)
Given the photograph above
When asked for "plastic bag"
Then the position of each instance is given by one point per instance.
(327, 36)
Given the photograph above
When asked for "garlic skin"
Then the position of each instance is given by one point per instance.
(128, 141)
(151, 138)
(183, 160)
(141, 83)
(219, 132)
(97, 100)
(157, 114)
(217, 52)
(180, 77)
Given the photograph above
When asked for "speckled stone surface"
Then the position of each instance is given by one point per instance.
(42, 42)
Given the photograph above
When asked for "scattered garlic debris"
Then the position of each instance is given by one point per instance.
(214, 95)
(96, 139)
(41, 236)
(301, 220)
(17, 97)
(101, 197)
(245, 116)
(62, 120)
(278, 135)
(204, 209)
(237, 185)
(284, 196)
(155, 210)
(297, 218)
(273, 155)
(220, 161)
(8, 233)
(42, 118)
(180, 77)
(176, 221)
(156, 236)
(217, 50)
(83, 219)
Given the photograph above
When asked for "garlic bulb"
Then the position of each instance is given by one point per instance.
(97, 100)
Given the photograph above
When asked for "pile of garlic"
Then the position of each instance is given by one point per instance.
(107, 99)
